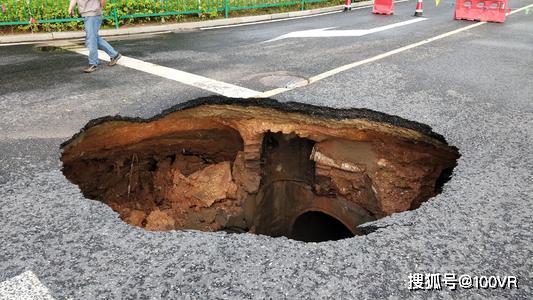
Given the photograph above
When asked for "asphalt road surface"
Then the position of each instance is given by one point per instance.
(473, 86)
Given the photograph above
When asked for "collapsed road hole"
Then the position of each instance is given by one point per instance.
(256, 165)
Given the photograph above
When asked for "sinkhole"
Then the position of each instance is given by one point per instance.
(305, 172)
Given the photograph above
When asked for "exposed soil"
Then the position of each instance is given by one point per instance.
(295, 170)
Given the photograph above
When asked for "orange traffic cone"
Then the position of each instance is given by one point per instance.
(419, 8)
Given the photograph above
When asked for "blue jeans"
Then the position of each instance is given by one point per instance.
(93, 41)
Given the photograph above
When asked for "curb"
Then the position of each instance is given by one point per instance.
(53, 36)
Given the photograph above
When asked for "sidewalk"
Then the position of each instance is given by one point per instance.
(50, 36)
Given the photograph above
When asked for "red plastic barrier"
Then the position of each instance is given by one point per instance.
(481, 10)
(348, 5)
(383, 7)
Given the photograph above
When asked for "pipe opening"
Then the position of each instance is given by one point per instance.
(316, 226)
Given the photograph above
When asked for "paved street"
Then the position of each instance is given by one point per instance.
(472, 86)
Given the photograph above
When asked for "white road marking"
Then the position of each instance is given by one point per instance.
(521, 9)
(326, 32)
(382, 56)
(24, 286)
(197, 81)
(290, 18)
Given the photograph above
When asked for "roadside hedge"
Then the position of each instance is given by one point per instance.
(52, 15)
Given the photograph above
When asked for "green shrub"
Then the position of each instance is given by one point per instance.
(127, 11)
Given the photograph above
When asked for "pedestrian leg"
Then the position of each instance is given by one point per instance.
(103, 44)
(91, 38)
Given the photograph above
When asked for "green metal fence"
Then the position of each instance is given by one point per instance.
(28, 12)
